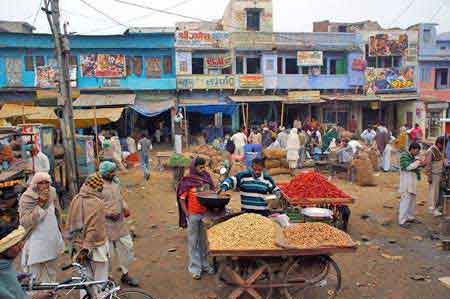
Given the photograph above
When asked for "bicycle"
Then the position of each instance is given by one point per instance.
(100, 289)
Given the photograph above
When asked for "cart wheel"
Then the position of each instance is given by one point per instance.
(238, 277)
(316, 277)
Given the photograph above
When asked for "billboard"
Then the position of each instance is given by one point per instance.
(309, 58)
(103, 65)
(389, 80)
(47, 76)
(388, 44)
(202, 39)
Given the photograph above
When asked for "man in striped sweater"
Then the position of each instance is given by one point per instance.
(254, 186)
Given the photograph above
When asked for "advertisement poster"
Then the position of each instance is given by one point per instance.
(220, 61)
(206, 82)
(202, 39)
(184, 63)
(103, 65)
(154, 67)
(251, 81)
(358, 64)
(88, 63)
(388, 44)
(47, 76)
(389, 79)
(309, 58)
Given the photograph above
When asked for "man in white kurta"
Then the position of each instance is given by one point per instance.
(240, 140)
(409, 175)
(38, 207)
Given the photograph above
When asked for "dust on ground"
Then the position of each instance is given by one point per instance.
(369, 273)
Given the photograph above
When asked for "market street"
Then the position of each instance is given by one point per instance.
(374, 271)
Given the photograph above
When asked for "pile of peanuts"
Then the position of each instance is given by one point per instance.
(315, 235)
(244, 232)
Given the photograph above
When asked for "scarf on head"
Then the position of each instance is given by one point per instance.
(95, 181)
(12, 239)
(106, 167)
(437, 154)
(193, 180)
(407, 159)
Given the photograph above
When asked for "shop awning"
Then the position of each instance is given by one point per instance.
(256, 99)
(350, 98)
(104, 100)
(398, 97)
(153, 108)
(15, 110)
(208, 106)
(84, 118)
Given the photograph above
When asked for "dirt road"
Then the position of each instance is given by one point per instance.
(371, 272)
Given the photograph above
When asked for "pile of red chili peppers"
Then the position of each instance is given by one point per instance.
(311, 184)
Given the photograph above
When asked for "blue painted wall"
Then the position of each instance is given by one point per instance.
(145, 45)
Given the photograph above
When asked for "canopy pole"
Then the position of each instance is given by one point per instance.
(282, 114)
(244, 119)
(96, 134)
(23, 113)
(246, 125)
(186, 130)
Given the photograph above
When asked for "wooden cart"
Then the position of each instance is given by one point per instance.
(277, 273)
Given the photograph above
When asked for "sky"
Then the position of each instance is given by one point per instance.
(289, 15)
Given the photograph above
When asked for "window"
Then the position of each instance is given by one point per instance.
(305, 70)
(427, 35)
(441, 80)
(129, 65)
(29, 64)
(280, 65)
(137, 65)
(167, 64)
(40, 60)
(386, 61)
(291, 66)
(425, 74)
(253, 19)
(253, 65)
(197, 66)
(332, 66)
(342, 28)
(442, 47)
(396, 61)
(239, 65)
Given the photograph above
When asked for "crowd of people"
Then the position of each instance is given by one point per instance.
(95, 232)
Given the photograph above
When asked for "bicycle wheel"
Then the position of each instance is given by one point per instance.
(132, 293)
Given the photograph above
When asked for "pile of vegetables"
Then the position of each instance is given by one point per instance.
(177, 160)
(311, 184)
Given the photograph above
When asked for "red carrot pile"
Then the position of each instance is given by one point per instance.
(311, 184)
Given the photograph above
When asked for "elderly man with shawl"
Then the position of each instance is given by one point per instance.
(191, 215)
(120, 241)
(38, 210)
(434, 168)
(11, 243)
(293, 149)
(87, 228)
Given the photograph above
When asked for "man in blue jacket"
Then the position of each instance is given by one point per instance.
(254, 185)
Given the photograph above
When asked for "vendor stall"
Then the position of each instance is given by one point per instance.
(255, 256)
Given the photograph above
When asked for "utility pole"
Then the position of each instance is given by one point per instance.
(62, 51)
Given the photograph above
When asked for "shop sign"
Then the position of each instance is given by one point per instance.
(202, 39)
(184, 63)
(103, 65)
(220, 61)
(437, 106)
(309, 58)
(358, 64)
(251, 81)
(206, 82)
(388, 44)
(389, 79)
(310, 95)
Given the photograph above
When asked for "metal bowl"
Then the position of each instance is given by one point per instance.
(317, 213)
(212, 200)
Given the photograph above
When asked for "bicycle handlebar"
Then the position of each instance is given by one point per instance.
(73, 265)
